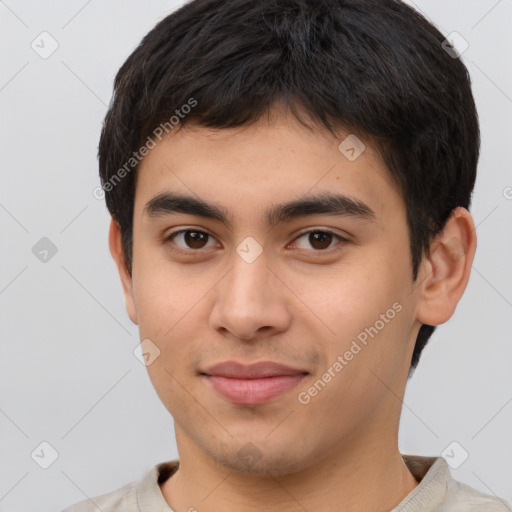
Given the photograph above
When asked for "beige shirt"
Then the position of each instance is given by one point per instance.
(437, 491)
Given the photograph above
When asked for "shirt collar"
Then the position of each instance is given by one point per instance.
(432, 473)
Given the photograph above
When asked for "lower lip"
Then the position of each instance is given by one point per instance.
(253, 391)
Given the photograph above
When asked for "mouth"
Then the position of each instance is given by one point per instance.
(253, 384)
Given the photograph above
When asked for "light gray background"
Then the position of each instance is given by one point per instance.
(67, 371)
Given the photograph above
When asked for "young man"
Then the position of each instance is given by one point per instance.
(289, 183)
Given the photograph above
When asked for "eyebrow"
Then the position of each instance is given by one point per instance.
(325, 204)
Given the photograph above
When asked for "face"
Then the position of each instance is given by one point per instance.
(324, 289)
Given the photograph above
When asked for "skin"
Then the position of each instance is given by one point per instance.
(295, 305)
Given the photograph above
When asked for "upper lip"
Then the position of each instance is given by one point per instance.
(262, 369)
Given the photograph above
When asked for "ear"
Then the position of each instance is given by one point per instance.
(445, 272)
(116, 250)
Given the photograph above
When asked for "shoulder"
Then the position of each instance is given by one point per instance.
(123, 499)
(438, 491)
(143, 494)
(462, 498)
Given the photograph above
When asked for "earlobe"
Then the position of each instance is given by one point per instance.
(116, 250)
(447, 269)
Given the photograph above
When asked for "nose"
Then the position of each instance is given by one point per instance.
(251, 301)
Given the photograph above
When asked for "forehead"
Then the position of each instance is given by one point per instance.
(253, 168)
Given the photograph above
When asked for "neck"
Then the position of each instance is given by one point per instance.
(342, 481)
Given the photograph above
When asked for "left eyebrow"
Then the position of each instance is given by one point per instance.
(324, 204)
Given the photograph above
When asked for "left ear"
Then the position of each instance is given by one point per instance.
(445, 272)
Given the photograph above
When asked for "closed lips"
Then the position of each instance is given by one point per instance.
(261, 370)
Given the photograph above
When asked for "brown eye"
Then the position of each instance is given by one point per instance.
(318, 241)
(195, 239)
(187, 239)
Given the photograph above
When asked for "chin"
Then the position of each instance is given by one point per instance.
(248, 459)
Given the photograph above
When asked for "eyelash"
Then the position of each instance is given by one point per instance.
(172, 236)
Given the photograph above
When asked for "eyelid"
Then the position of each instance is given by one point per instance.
(344, 236)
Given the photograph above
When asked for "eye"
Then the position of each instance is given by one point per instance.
(187, 239)
(320, 240)
(194, 240)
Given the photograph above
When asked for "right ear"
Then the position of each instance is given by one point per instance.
(115, 244)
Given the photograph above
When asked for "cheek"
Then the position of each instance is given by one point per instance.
(162, 294)
(359, 309)
(349, 296)
(172, 314)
